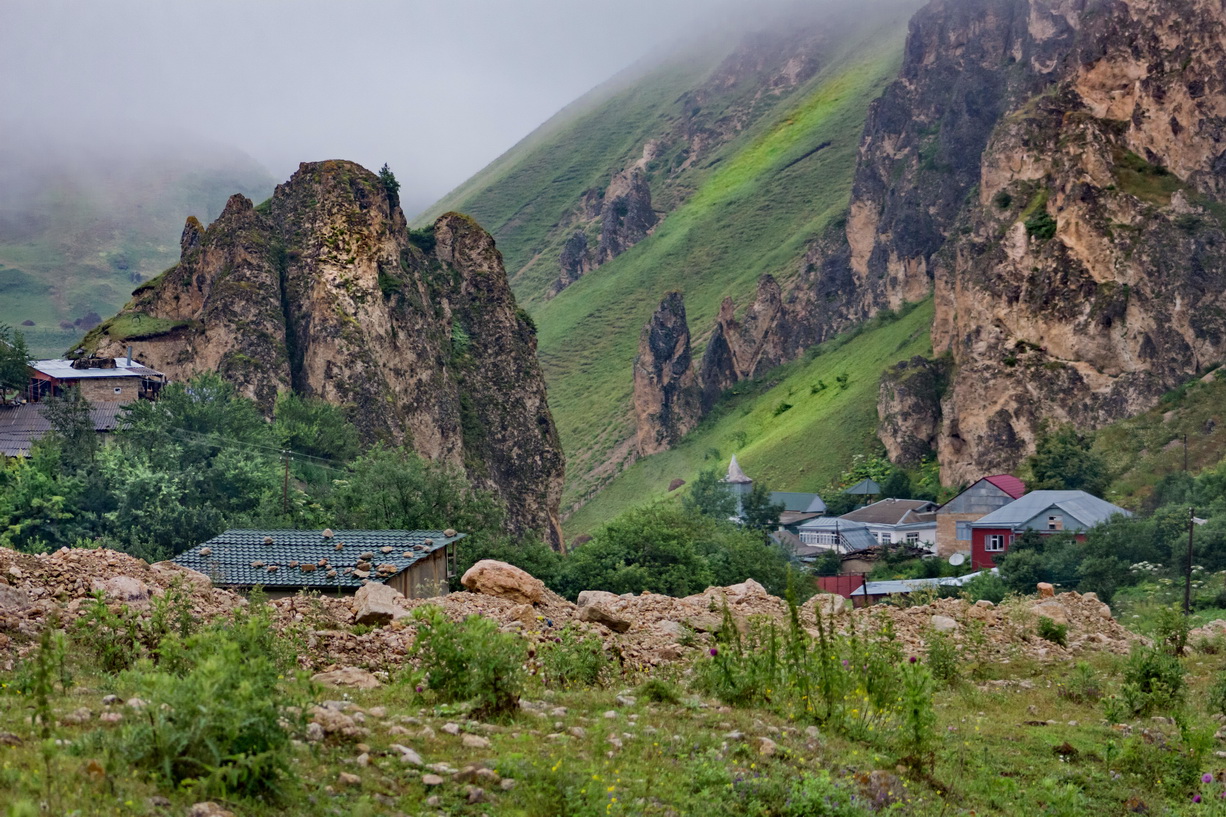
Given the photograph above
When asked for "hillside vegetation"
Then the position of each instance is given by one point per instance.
(794, 430)
(752, 207)
(79, 233)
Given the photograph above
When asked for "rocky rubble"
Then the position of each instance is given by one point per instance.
(639, 631)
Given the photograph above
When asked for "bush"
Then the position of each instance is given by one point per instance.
(1082, 685)
(573, 660)
(1171, 628)
(471, 661)
(1053, 632)
(658, 691)
(225, 722)
(1153, 680)
(942, 657)
(1041, 225)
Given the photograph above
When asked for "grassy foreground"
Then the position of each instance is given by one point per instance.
(799, 448)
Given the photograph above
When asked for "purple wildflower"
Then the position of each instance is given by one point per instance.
(1207, 777)
(1196, 798)
(714, 651)
(912, 659)
(420, 689)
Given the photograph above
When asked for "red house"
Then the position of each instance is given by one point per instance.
(1045, 512)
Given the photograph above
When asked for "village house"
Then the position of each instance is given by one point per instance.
(419, 564)
(23, 425)
(834, 533)
(105, 379)
(899, 521)
(954, 518)
(1046, 513)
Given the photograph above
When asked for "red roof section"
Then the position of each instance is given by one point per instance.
(1008, 483)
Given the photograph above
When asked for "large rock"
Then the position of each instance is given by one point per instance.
(1053, 610)
(173, 571)
(602, 613)
(589, 597)
(13, 600)
(494, 578)
(376, 603)
(122, 588)
(352, 677)
(666, 399)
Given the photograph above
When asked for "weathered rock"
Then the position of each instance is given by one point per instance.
(377, 603)
(13, 601)
(1052, 610)
(495, 578)
(347, 677)
(1045, 590)
(408, 756)
(208, 809)
(431, 780)
(123, 588)
(944, 624)
(475, 742)
(589, 597)
(666, 397)
(602, 613)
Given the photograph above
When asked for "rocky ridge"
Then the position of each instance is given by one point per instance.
(324, 292)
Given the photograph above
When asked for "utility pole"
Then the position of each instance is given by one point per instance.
(1185, 453)
(1187, 579)
(285, 484)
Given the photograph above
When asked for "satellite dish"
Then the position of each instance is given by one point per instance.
(957, 559)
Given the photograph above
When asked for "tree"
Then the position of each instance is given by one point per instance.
(72, 428)
(710, 497)
(1063, 461)
(390, 185)
(307, 425)
(757, 511)
(14, 361)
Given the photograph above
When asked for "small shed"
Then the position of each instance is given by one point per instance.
(418, 563)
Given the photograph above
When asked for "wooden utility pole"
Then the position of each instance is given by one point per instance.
(1187, 579)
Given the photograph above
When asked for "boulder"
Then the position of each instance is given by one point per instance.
(505, 581)
(828, 604)
(347, 677)
(209, 809)
(944, 624)
(1052, 610)
(745, 590)
(13, 600)
(172, 570)
(601, 613)
(122, 588)
(376, 603)
(589, 597)
(1046, 590)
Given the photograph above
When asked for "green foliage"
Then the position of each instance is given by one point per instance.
(470, 661)
(1064, 461)
(390, 186)
(72, 429)
(658, 691)
(757, 511)
(780, 408)
(987, 586)
(1002, 200)
(1053, 632)
(14, 361)
(423, 239)
(308, 425)
(942, 657)
(710, 497)
(1082, 685)
(223, 722)
(1153, 681)
(1041, 225)
(39, 673)
(573, 659)
(1171, 631)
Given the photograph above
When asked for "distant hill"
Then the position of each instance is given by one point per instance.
(79, 230)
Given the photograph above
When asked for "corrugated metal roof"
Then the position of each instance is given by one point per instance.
(1008, 483)
(22, 426)
(61, 369)
(903, 586)
(864, 487)
(229, 558)
(1086, 508)
(889, 511)
(855, 535)
(798, 502)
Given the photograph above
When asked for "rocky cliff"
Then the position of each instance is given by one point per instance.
(666, 394)
(325, 292)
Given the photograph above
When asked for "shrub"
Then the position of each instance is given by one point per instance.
(471, 661)
(919, 718)
(942, 657)
(112, 638)
(1082, 685)
(1171, 629)
(1153, 680)
(225, 722)
(573, 660)
(1053, 632)
(782, 407)
(1041, 225)
(659, 691)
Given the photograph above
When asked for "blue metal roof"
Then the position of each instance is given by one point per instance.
(798, 502)
(1086, 508)
(904, 586)
(305, 558)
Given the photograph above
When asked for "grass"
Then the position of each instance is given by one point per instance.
(801, 449)
(1141, 450)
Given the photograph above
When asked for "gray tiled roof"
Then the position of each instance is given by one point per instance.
(890, 511)
(21, 426)
(228, 558)
(1086, 508)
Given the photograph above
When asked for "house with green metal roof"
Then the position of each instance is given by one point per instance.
(418, 563)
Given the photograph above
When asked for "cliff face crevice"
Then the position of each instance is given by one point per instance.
(324, 294)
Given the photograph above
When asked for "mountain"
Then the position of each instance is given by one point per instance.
(323, 291)
(79, 227)
(698, 175)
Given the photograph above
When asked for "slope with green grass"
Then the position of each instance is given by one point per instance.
(753, 207)
(795, 429)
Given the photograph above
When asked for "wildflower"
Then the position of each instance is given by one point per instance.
(1196, 798)
(912, 659)
(1206, 778)
(420, 689)
(714, 651)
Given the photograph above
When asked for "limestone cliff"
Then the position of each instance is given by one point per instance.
(325, 292)
(666, 396)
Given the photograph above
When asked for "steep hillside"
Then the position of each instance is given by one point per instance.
(747, 156)
(323, 291)
(795, 428)
(79, 230)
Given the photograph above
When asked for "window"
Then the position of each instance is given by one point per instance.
(994, 542)
(1055, 523)
(963, 532)
(118, 390)
(912, 538)
(884, 537)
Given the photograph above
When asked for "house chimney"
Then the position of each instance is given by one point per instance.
(129, 356)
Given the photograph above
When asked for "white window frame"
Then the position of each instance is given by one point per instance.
(913, 538)
(995, 542)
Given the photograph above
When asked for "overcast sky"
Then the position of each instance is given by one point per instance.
(437, 89)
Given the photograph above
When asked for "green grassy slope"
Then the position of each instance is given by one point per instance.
(753, 215)
(799, 449)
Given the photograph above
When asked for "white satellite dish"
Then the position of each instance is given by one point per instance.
(957, 559)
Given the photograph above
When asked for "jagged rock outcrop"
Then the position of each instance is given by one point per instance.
(627, 217)
(666, 395)
(740, 350)
(909, 408)
(324, 293)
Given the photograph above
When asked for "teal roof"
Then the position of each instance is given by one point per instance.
(241, 558)
(798, 502)
(865, 487)
(1087, 509)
